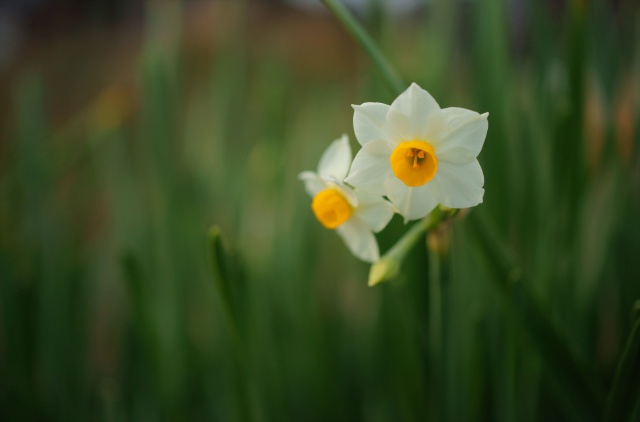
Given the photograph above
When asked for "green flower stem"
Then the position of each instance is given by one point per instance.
(436, 285)
(355, 29)
(624, 394)
(388, 267)
(439, 280)
(438, 345)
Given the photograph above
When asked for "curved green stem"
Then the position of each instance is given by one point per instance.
(387, 71)
(388, 266)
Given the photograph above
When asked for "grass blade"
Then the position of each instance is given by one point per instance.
(624, 395)
(510, 281)
(222, 278)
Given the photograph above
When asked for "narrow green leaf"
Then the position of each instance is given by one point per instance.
(510, 281)
(224, 275)
(222, 278)
(624, 395)
(140, 305)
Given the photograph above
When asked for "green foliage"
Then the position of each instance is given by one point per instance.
(116, 305)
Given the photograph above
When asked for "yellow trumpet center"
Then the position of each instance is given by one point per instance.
(331, 208)
(414, 162)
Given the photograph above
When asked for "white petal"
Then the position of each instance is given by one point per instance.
(359, 239)
(460, 184)
(412, 203)
(410, 112)
(462, 141)
(370, 122)
(437, 126)
(374, 210)
(336, 159)
(312, 182)
(371, 167)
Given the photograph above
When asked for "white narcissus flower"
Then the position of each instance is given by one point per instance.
(353, 214)
(418, 154)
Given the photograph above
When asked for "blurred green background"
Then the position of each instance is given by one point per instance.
(127, 129)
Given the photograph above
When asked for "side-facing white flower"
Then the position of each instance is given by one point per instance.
(353, 214)
(418, 154)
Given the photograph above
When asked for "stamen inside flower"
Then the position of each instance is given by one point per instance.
(414, 162)
(331, 208)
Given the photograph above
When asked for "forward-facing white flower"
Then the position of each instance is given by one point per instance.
(353, 214)
(418, 154)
